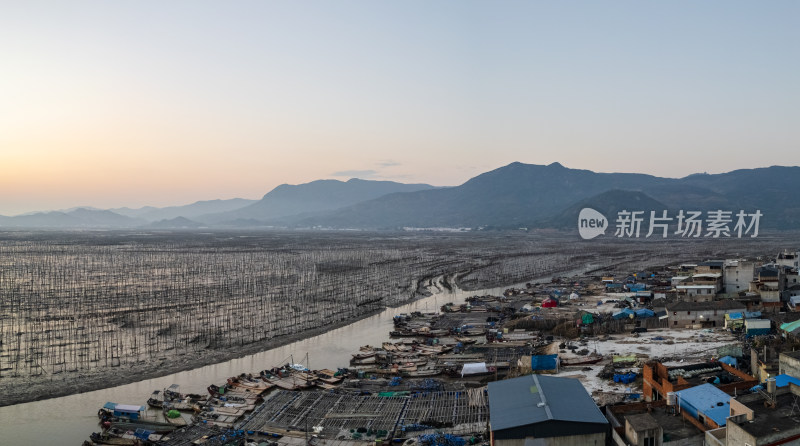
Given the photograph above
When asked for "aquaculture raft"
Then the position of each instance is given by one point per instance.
(382, 416)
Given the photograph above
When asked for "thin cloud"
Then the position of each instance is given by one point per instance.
(355, 173)
(388, 163)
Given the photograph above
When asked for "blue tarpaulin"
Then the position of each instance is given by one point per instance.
(744, 315)
(730, 360)
(544, 362)
(644, 313)
(624, 314)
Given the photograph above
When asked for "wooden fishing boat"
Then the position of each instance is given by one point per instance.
(424, 373)
(329, 376)
(156, 400)
(104, 438)
(581, 361)
(155, 426)
(365, 354)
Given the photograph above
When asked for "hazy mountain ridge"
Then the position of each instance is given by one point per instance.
(78, 218)
(534, 196)
(188, 211)
(516, 195)
(312, 198)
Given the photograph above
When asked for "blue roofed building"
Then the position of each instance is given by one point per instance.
(540, 410)
(706, 404)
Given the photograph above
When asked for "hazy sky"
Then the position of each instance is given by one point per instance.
(115, 103)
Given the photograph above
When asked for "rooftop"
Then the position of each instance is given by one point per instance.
(676, 428)
(534, 399)
(794, 355)
(708, 400)
(642, 421)
(769, 421)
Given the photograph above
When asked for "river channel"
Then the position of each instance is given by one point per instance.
(69, 420)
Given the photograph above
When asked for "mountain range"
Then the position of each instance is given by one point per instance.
(512, 196)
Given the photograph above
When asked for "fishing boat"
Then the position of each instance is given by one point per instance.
(105, 438)
(156, 400)
(592, 359)
(365, 354)
(328, 376)
(425, 373)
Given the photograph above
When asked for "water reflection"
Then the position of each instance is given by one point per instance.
(69, 420)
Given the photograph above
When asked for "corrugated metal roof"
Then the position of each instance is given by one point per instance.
(537, 398)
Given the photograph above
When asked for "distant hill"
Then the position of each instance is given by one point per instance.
(78, 218)
(311, 198)
(511, 196)
(189, 211)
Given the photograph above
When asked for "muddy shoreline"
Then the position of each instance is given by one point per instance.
(25, 390)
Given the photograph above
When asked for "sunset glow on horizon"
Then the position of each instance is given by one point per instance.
(112, 104)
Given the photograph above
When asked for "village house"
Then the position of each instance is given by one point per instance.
(789, 363)
(650, 423)
(769, 285)
(737, 275)
(788, 258)
(705, 406)
(701, 314)
(765, 418)
(710, 267)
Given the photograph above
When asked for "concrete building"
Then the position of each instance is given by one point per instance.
(710, 267)
(633, 424)
(769, 284)
(691, 292)
(541, 410)
(737, 275)
(701, 314)
(761, 419)
(763, 363)
(789, 363)
(643, 430)
(788, 258)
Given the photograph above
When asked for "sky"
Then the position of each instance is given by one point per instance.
(133, 103)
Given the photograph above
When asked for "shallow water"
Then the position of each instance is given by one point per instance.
(69, 420)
